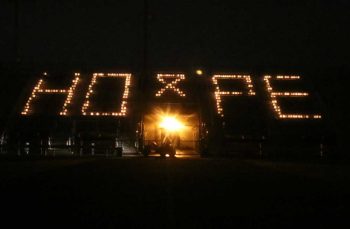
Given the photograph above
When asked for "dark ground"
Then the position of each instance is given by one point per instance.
(173, 193)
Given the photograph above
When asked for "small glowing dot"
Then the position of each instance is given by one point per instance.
(199, 72)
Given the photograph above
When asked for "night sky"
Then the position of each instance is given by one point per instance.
(211, 33)
(310, 38)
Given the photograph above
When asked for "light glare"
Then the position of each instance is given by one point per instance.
(171, 124)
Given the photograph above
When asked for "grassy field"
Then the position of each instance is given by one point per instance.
(173, 193)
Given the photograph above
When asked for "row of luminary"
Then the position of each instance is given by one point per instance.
(219, 93)
(275, 104)
(38, 89)
(123, 107)
(175, 79)
(171, 85)
(273, 95)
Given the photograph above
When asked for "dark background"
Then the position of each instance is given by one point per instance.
(310, 38)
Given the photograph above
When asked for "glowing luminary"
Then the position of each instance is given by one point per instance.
(274, 99)
(170, 85)
(123, 106)
(219, 94)
(39, 90)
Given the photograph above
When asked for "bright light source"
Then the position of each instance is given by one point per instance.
(171, 124)
(199, 72)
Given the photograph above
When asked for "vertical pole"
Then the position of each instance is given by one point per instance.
(144, 72)
(16, 31)
(144, 47)
(260, 149)
(321, 150)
